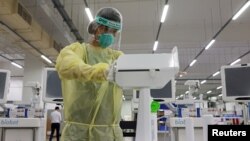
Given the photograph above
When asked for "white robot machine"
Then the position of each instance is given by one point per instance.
(193, 87)
(144, 72)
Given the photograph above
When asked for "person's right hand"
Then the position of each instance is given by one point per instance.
(111, 72)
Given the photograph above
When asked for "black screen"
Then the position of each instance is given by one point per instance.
(165, 92)
(237, 81)
(53, 86)
(3, 76)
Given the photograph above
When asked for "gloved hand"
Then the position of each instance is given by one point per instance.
(111, 72)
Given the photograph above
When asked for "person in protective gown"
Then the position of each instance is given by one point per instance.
(92, 103)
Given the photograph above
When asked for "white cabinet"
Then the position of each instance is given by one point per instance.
(21, 134)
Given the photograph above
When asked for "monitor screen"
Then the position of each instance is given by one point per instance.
(167, 93)
(4, 85)
(248, 112)
(52, 86)
(236, 82)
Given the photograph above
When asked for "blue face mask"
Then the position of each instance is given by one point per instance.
(106, 40)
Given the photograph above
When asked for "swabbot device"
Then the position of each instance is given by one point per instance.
(151, 71)
(145, 72)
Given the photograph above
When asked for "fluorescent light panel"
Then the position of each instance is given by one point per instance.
(155, 45)
(218, 72)
(219, 87)
(46, 59)
(234, 62)
(210, 44)
(241, 11)
(164, 13)
(204, 81)
(16, 65)
(87, 10)
(186, 92)
(209, 92)
(220, 95)
(192, 63)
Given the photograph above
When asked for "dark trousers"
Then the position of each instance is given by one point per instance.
(55, 126)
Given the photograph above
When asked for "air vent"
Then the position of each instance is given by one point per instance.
(24, 14)
(57, 46)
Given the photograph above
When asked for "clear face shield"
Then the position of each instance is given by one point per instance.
(112, 33)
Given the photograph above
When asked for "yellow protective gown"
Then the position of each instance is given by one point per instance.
(92, 105)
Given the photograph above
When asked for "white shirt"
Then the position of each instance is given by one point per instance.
(55, 117)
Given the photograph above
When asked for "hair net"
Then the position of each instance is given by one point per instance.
(108, 13)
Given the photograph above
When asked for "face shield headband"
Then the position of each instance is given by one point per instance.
(108, 23)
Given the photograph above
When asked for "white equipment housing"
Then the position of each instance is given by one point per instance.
(145, 72)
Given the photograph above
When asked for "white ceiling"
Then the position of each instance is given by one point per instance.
(190, 25)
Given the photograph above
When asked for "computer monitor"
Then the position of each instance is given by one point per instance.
(167, 93)
(52, 90)
(235, 82)
(4, 85)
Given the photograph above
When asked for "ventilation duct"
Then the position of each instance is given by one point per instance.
(9, 14)
(44, 12)
(16, 20)
(24, 13)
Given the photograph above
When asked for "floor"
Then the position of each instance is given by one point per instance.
(125, 139)
(47, 139)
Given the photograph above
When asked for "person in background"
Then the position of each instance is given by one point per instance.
(92, 101)
(56, 119)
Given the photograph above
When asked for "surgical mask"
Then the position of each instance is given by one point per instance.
(106, 40)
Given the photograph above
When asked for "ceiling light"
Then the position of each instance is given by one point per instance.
(164, 13)
(155, 45)
(87, 10)
(186, 92)
(46, 59)
(218, 72)
(210, 44)
(16, 65)
(219, 87)
(204, 81)
(220, 95)
(241, 11)
(234, 62)
(194, 98)
(192, 63)
(123, 97)
(181, 95)
(209, 92)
